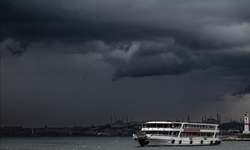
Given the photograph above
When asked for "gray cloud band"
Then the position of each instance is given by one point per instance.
(195, 33)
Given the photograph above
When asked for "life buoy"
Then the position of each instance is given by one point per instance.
(191, 142)
(180, 142)
(211, 142)
(173, 141)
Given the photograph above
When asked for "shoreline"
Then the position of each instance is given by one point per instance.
(239, 137)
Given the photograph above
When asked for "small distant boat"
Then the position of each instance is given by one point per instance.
(164, 133)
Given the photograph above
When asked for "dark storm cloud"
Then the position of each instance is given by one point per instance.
(194, 31)
(182, 61)
(242, 92)
(192, 50)
(115, 20)
(30, 19)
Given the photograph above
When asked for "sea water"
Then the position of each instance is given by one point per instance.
(101, 143)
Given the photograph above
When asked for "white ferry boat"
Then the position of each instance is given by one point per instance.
(162, 133)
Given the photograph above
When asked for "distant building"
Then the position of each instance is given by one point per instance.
(211, 120)
(118, 124)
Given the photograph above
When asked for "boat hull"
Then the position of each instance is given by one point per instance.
(170, 141)
(181, 142)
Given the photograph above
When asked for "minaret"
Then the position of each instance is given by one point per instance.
(246, 124)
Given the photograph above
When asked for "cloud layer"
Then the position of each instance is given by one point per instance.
(171, 37)
(159, 52)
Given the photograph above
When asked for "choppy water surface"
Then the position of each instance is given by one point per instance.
(98, 143)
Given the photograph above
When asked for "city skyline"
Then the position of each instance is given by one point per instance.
(66, 63)
(126, 119)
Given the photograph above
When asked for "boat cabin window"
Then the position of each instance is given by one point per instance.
(176, 125)
(167, 125)
(153, 125)
(161, 125)
(199, 126)
(175, 134)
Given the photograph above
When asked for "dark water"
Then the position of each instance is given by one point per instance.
(101, 143)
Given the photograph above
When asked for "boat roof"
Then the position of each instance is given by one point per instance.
(169, 122)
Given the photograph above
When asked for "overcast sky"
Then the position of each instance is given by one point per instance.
(66, 63)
